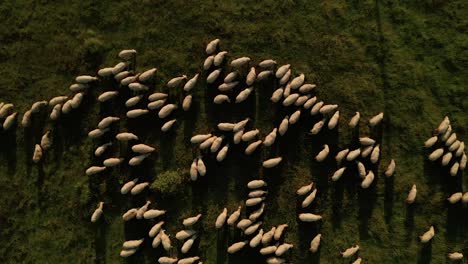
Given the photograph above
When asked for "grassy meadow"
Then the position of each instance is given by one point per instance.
(408, 59)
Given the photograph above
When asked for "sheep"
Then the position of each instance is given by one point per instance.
(303, 190)
(463, 162)
(125, 253)
(455, 145)
(257, 193)
(153, 213)
(443, 126)
(219, 58)
(127, 54)
(257, 213)
(131, 102)
(166, 110)
(207, 143)
(66, 108)
(375, 154)
(54, 115)
(231, 77)
(326, 109)
(132, 243)
(126, 136)
(201, 168)
(308, 217)
(128, 186)
(189, 260)
(412, 195)
(91, 170)
(236, 247)
(454, 169)
(37, 106)
(350, 251)
(294, 117)
(455, 256)
(222, 153)
(273, 162)
(451, 139)
(157, 240)
(239, 62)
(353, 154)
(128, 80)
(283, 248)
(155, 229)
(334, 120)
(78, 87)
(244, 223)
(57, 100)
(354, 120)
(268, 236)
(455, 198)
(430, 142)
(221, 98)
(269, 63)
(106, 96)
(9, 121)
(277, 94)
(255, 241)
(366, 141)
(85, 79)
(367, 180)
(187, 102)
(252, 147)
(136, 113)
(436, 154)
(168, 125)
(279, 231)
(291, 99)
(297, 82)
(316, 108)
(270, 138)
(301, 100)
(208, 62)
(167, 260)
(188, 244)
(361, 169)
(97, 213)
(390, 169)
(105, 72)
(190, 84)
(232, 219)
(138, 87)
(137, 160)
(111, 162)
(255, 184)
(357, 261)
(166, 242)
(282, 71)
(193, 170)
(446, 158)
(225, 87)
(226, 126)
(138, 188)
(184, 234)
(283, 127)
(317, 127)
(26, 120)
(275, 260)
(212, 46)
(76, 100)
(263, 75)
(197, 139)
(427, 236)
(243, 95)
(307, 88)
(107, 121)
(5, 110)
(460, 149)
(367, 151)
(221, 219)
(119, 67)
(122, 75)
(322, 155)
(142, 149)
(252, 229)
(249, 135)
(147, 75)
(375, 120)
(287, 90)
(341, 155)
(251, 76)
(191, 220)
(213, 76)
(268, 250)
(157, 96)
(338, 173)
(177, 81)
(315, 243)
(130, 214)
(254, 201)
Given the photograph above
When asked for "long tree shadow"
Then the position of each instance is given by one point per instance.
(9, 149)
(425, 255)
(389, 197)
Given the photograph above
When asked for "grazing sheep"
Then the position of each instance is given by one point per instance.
(446, 158)
(268, 250)
(125, 253)
(283, 248)
(129, 80)
(287, 90)
(191, 220)
(138, 87)
(76, 100)
(26, 120)
(270, 138)
(412, 195)
(130, 214)
(308, 217)
(250, 135)
(318, 127)
(455, 256)
(208, 143)
(254, 201)
(455, 145)
(155, 229)
(37, 106)
(353, 154)
(133, 101)
(294, 117)
(427, 236)
(375, 154)
(239, 62)
(255, 241)
(257, 213)
(257, 193)
(127, 54)
(212, 46)
(436, 154)
(283, 127)
(232, 219)
(221, 219)
(375, 120)
(454, 169)
(268, 236)
(252, 147)
(137, 160)
(153, 213)
(297, 81)
(188, 244)
(315, 243)
(147, 75)
(85, 79)
(106, 96)
(132, 243)
(367, 151)
(136, 113)
(122, 75)
(219, 58)
(57, 100)
(189, 260)
(91, 170)
(112, 162)
(157, 96)
(326, 109)
(244, 223)
(226, 126)
(5, 110)
(236, 247)
(282, 71)
(361, 169)
(307, 88)
(350, 251)
(390, 169)
(97, 213)
(193, 170)
(279, 231)
(355, 120)
(291, 99)
(463, 162)
(166, 110)
(54, 115)
(460, 149)
(367, 180)
(66, 108)
(213, 76)
(338, 173)
(275, 260)
(322, 155)
(208, 62)
(277, 94)
(316, 108)
(269, 63)
(430, 142)
(167, 260)
(243, 95)
(78, 87)
(176, 82)
(138, 188)
(105, 72)
(227, 86)
(251, 76)
(9, 121)
(451, 139)
(273, 162)
(128, 186)
(107, 121)
(366, 141)
(190, 84)
(201, 168)
(252, 228)
(197, 139)
(142, 149)
(221, 98)
(156, 104)
(166, 242)
(222, 153)
(301, 100)
(263, 75)
(255, 184)
(157, 240)
(184, 234)
(303, 190)
(333, 120)
(119, 67)
(126, 136)
(357, 261)
(455, 198)
(341, 155)
(187, 102)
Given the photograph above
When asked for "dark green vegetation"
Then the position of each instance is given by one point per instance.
(406, 58)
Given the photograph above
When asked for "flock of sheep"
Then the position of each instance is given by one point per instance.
(293, 92)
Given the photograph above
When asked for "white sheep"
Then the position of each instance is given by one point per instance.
(282, 70)
(188, 244)
(268, 250)
(132, 243)
(9, 121)
(184, 234)
(201, 168)
(268, 236)
(243, 95)
(226, 126)
(221, 219)
(353, 154)
(250, 135)
(76, 100)
(257, 213)
(334, 120)
(277, 95)
(460, 149)
(78, 87)
(153, 213)
(455, 198)
(303, 190)
(191, 220)
(212, 46)
(341, 155)
(156, 104)
(255, 241)
(131, 102)
(244, 223)
(122, 75)
(338, 173)
(366, 141)
(307, 88)
(361, 169)
(119, 67)
(125, 253)
(252, 228)
(454, 169)
(279, 231)
(322, 155)
(308, 217)
(187, 102)
(270, 138)
(147, 75)
(157, 240)
(167, 260)
(157, 96)
(317, 127)
(128, 186)
(197, 139)
(255, 184)
(193, 170)
(368, 180)
(275, 260)
(222, 153)
(208, 62)
(136, 113)
(297, 81)
(166, 110)
(375, 154)
(138, 188)
(291, 99)
(66, 108)
(207, 143)
(93, 169)
(107, 121)
(301, 100)
(236, 247)
(315, 243)
(455, 256)
(57, 100)
(105, 72)
(427, 236)
(176, 82)
(451, 139)
(219, 58)
(294, 118)
(436, 154)
(354, 120)
(221, 98)
(26, 120)
(412, 194)
(54, 115)
(252, 147)
(112, 162)
(283, 127)
(85, 79)
(446, 158)
(350, 251)
(189, 260)
(155, 229)
(97, 213)
(232, 76)
(283, 248)
(190, 84)
(106, 96)
(166, 241)
(137, 160)
(127, 54)
(375, 120)
(316, 108)
(455, 145)
(390, 169)
(37, 106)
(366, 151)
(257, 193)
(254, 201)
(326, 109)
(263, 75)
(225, 87)
(239, 62)
(463, 162)
(142, 149)
(129, 80)
(251, 76)
(5, 110)
(232, 219)
(126, 136)
(130, 214)
(213, 76)
(273, 162)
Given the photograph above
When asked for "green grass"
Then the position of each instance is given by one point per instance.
(406, 59)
